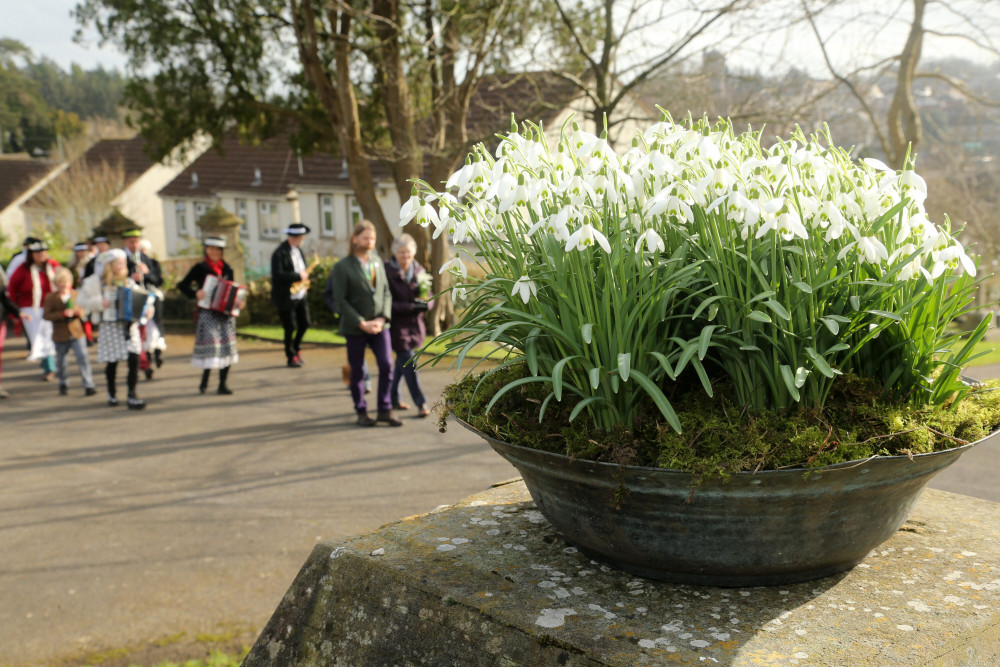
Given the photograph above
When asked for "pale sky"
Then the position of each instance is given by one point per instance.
(46, 27)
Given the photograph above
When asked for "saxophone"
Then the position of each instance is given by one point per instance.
(300, 285)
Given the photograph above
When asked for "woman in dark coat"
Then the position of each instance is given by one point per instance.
(215, 332)
(409, 290)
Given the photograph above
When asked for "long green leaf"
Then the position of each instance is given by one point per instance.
(660, 399)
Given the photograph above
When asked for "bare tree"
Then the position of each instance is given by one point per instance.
(78, 199)
(901, 131)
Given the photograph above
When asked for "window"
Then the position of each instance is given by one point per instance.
(180, 214)
(200, 209)
(268, 219)
(326, 215)
(241, 213)
(354, 214)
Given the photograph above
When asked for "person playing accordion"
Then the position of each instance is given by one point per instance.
(215, 331)
(119, 336)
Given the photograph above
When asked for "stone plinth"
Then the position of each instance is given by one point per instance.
(489, 582)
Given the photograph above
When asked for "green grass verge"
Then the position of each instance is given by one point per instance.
(326, 337)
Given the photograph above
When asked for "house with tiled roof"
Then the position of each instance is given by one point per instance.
(262, 185)
(20, 178)
(137, 196)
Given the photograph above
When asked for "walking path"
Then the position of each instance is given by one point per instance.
(141, 536)
(126, 529)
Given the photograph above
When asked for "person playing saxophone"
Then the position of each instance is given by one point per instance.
(288, 267)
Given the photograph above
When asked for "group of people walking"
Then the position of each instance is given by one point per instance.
(381, 307)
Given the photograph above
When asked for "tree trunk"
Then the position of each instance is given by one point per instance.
(405, 159)
(341, 106)
(904, 125)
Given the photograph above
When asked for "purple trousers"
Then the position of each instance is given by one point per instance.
(382, 347)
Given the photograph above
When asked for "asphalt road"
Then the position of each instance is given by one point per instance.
(184, 524)
(179, 528)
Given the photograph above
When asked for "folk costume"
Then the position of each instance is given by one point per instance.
(362, 293)
(215, 332)
(68, 334)
(8, 310)
(153, 343)
(408, 329)
(29, 285)
(119, 340)
(287, 264)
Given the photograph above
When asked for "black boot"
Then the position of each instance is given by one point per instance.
(365, 420)
(223, 376)
(134, 402)
(204, 380)
(158, 357)
(386, 417)
(110, 371)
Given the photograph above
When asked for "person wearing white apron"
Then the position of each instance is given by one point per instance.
(29, 285)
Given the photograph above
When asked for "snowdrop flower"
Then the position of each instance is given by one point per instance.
(526, 287)
(913, 186)
(456, 267)
(501, 187)
(652, 240)
(585, 237)
(951, 258)
(419, 211)
(872, 249)
(580, 192)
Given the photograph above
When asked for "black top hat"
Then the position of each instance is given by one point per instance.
(101, 239)
(81, 246)
(28, 240)
(297, 229)
(38, 246)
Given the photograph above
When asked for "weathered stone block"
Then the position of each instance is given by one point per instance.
(489, 582)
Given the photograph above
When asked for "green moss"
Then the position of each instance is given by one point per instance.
(720, 438)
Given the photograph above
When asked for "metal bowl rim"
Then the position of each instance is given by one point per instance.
(784, 471)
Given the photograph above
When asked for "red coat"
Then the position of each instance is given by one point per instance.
(19, 287)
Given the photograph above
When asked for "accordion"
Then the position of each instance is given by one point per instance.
(222, 295)
(128, 304)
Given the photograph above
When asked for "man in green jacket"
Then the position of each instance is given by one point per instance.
(365, 306)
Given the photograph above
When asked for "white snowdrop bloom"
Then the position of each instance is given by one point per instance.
(460, 178)
(876, 164)
(717, 183)
(708, 149)
(740, 209)
(809, 209)
(870, 201)
(514, 198)
(501, 187)
(659, 130)
(913, 186)
(456, 267)
(652, 240)
(578, 139)
(585, 237)
(787, 224)
(604, 190)
(526, 287)
(662, 164)
(420, 212)
(579, 192)
(829, 215)
(872, 249)
(665, 202)
(951, 258)
(409, 210)
(914, 268)
(848, 207)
